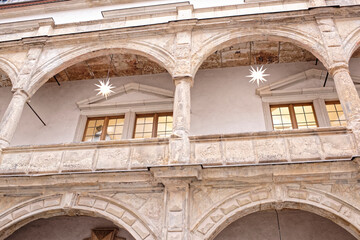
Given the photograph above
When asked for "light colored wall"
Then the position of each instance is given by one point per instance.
(223, 101)
(94, 13)
(64, 228)
(294, 225)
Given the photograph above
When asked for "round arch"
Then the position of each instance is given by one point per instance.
(73, 204)
(223, 40)
(9, 69)
(351, 43)
(242, 204)
(81, 53)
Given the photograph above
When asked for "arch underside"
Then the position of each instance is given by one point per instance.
(226, 39)
(78, 54)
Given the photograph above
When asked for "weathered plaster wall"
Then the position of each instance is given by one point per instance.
(61, 228)
(294, 225)
(223, 99)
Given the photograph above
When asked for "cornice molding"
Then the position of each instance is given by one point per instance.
(79, 31)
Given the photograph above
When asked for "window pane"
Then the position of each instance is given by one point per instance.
(310, 117)
(305, 117)
(144, 127)
(286, 119)
(112, 122)
(275, 111)
(281, 118)
(336, 114)
(93, 130)
(284, 110)
(91, 123)
(330, 107)
(164, 128)
(298, 109)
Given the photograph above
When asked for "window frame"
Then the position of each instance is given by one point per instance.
(155, 122)
(292, 114)
(104, 127)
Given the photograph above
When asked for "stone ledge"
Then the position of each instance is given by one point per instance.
(255, 148)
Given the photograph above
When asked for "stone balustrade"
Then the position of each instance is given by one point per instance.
(322, 144)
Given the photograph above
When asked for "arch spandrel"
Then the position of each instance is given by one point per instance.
(244, 203)
(75, 204)
(221, 39)
(54, 60)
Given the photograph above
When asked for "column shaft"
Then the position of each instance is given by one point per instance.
(348, 96)
(179, 142)
(11, 118)
(181, 124)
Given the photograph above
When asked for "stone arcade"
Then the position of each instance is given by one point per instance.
(208, 160)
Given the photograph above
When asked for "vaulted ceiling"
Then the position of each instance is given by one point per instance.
(243, 54)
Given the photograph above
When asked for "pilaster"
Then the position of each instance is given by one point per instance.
(177, 189)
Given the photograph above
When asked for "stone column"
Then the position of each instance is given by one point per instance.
(179, 142)
(348, 96)
(12, 117)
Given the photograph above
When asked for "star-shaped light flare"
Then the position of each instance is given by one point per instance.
(104, 88)
(257, 75)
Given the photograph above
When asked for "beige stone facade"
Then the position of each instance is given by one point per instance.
(184, 186)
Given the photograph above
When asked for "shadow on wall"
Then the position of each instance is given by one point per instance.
(66, 228)
(292, 225)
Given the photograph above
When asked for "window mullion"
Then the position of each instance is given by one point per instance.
(103, 132)
(293, 117)
(154, 132)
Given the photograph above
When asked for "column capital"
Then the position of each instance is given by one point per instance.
(179, 79)
(338, 67)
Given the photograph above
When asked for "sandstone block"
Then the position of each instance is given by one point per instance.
(115, 210)
(100, 204)
(270, 150)
(128, 218)
(52, 202)
(86, 201)
(15, 162)
(113, 158)
(175, 221)
(21, 212)
(78, 160)
(228, 207)
(140, 229)
(237, 152)
(37, 205)
(142, 156)
(304, 148)
(206, 226)
(5, 220)
(208, 152)
(45, 162)
(337, 146)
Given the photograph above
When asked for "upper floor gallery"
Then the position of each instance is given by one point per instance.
(181, 75)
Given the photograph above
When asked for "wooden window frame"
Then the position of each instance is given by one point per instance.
(292, 113)
(104, 127)
(155, 122)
